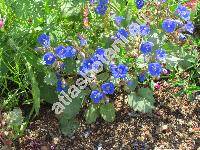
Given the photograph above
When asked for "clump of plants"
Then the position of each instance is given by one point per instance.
(78, 63)
(145, 45)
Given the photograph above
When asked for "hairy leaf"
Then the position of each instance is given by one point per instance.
(91, 114)
(108, 112)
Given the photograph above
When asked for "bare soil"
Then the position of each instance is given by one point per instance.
(174, 124)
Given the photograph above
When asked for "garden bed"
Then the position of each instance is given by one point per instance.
(174, 124)
(99, 74)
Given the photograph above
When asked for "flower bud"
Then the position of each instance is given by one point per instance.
(157, 86)
(165, 71)
(1, 23)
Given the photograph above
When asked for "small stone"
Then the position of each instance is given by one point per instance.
(55, 140)
(73, 137)
(99, 147)
(86, 134)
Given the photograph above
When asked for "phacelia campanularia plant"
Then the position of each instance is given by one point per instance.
(136, 53)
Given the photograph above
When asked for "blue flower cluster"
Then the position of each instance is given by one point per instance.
(102, 7)
(44, 40)
(82, 40)
(142, 77)
(170, 25)
(119, 71)
(61, 52)
(89, 64)
(65, 52)
(96, 96)
(144, 30)
(183, 12)
(49, 58)
(107, 88)
(136, 29)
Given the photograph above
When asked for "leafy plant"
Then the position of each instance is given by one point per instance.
(74, 40)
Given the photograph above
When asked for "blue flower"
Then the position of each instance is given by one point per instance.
(119, 71)
(118, 20)
(122, 32)
(179, 23)
(183, 12)
(169, 25)
(134, 29)
(189, 27)
(99, 51)
(101, 9)
(96, 96)
(82, 41)
(86, 65)
(103, 2)
(139, 3)
(71, 51)
(108, 88)
(160, 54)
(182, 37)
(155, 69)
(44, 40)
(65, 52)
(144, 30)
(146, 47)
(49, 58)
(61, 86)
(142, 77)
(61, 52)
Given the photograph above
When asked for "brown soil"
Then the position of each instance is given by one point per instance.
(174, 124)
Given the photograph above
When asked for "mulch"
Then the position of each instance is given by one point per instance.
(173, 124)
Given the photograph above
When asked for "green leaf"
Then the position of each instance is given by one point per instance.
(187, 62)
(50, 78)
(70, 7)
(141, 103)
(144, 105)
(146, 93)
(133, 85)
(35, 90)
(173, 5)
(68, 126)
(132, 100)
(47, 92)
(103, 76)
(107, 112)
(70, 66)
(34, 60)
(4, 69)
(73, 108)
(14, 117)
(92, 114)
